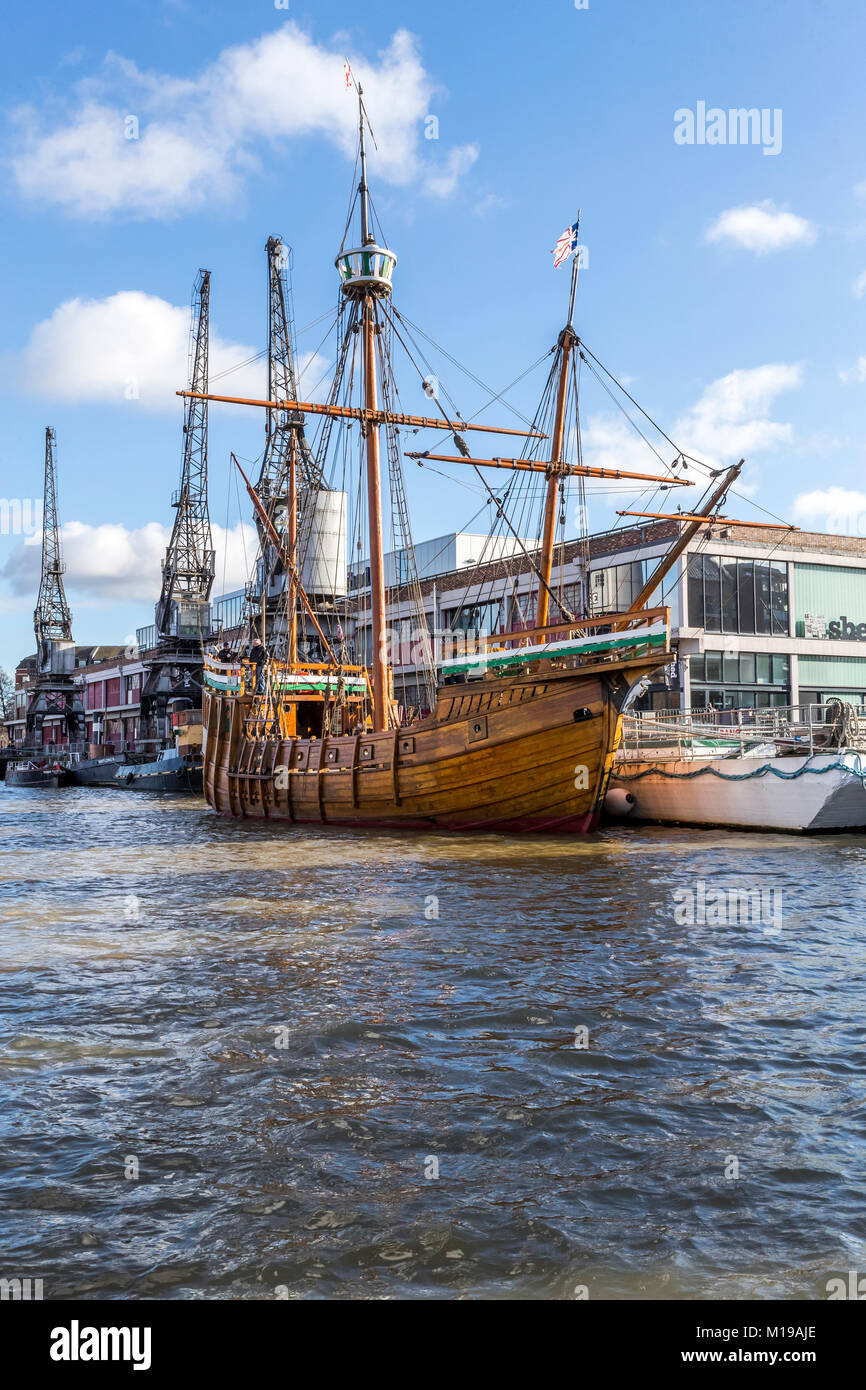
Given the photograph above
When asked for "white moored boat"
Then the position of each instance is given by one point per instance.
(797, 769)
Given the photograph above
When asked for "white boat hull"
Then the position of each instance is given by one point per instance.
(736, 792)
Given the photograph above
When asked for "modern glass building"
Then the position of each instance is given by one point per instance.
(765, 617)
(759, 617)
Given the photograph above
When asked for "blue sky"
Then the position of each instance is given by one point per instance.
(722, 281)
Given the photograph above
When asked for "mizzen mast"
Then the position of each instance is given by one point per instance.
(557, 468)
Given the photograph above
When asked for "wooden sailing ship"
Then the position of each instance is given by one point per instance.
(522, 729)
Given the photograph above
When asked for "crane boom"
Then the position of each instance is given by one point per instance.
(282, 386)
(52, 620)
(54, 691)
(188, 567)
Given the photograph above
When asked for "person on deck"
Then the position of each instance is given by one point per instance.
(258, 656)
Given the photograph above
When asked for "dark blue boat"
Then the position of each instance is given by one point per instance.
(169, 773)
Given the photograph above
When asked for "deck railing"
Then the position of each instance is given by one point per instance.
(650, 627)
(686, 735)
(245, 677)
(36, 752)
(598, 625)
(602, 638)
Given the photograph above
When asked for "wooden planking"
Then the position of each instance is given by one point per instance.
(457, 786)
(522, 772)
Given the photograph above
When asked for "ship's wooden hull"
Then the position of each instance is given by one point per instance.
(531, 753)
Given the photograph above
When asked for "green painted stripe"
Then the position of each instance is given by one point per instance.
(602, 644)
(297, 686)
(353, 688)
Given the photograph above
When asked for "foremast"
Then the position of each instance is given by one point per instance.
(557, 468)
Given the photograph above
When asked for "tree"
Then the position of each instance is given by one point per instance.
(7, 695)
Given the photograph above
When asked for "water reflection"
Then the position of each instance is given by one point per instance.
(329, 1091)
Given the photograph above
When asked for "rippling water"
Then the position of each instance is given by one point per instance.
(277, 1030)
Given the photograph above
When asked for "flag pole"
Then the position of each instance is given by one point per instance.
(575, 272)
(555, 472)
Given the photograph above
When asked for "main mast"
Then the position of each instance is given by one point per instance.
(367, 273)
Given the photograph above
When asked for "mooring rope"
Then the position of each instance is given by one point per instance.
(767, 768)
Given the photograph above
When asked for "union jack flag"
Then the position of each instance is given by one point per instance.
(566, 246)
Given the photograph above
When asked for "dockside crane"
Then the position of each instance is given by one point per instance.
(173, 671)
(54, 690)
(290, 478)
(281, 426)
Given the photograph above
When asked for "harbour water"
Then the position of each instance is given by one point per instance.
(256, 1063)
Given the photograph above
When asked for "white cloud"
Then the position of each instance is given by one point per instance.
(761, 227)
(840, 511)
(114, 562)
(132, 347)
(196, 140)
(856, 373)
(441, 182)
(490, 202)
(608, 442)
(730, 420)
(858, 289)
(73, 57)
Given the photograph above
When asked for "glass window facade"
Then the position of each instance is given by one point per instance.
(615, 588)
(738, 596)
(228, 611)
(739, 680)
(476, 617)
(571, 598)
